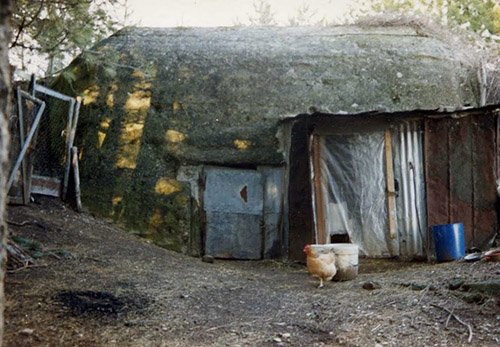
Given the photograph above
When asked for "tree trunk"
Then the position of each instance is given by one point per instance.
(5, 14)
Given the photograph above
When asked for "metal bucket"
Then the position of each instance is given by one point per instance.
(449, 241)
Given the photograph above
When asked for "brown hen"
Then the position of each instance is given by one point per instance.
(320, 264)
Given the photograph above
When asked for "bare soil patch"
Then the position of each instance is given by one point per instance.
(96, 285)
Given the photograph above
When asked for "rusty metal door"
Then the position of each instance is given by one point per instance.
(233, 204)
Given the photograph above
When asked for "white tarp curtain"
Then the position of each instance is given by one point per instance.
(354, 190)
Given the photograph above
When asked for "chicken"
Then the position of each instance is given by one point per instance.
(320, 265)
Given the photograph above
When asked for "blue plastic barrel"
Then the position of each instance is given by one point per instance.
(449, 241)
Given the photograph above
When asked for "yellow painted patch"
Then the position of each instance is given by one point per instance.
(137, 73)
(131, 138)
(126, 160)
(132, 128)
(176, 106)
(81, 151)
(132, 132)
(167, 186)
(156, 219)
(116, 200)
(101, 137)
(143, 85)
(101, 134)
(105, 123)
(242, 145)
(174, 136)
(90, 95)
(138, 101)
(110, 101)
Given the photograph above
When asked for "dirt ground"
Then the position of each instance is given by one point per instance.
(96, 285)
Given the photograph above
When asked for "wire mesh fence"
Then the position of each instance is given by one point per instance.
(49, 154)
(44, 167)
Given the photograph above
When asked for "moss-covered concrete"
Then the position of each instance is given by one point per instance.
(155, 99)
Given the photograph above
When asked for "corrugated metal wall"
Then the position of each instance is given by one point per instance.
(460, 155)
(410, 201)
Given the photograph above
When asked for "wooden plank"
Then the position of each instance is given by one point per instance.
(437, 171)
(428, 235)
(300, 204)
(14, 200)
(44, 185)
(461, 175)
(484, 196)
(318, 192)
(497, 146)
(391, 193)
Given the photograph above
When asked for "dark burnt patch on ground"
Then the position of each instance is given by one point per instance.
(97, 304)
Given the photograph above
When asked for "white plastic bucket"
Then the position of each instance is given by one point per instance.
(346, 259)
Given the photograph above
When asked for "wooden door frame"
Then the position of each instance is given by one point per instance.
(319, 199)
(319, 206)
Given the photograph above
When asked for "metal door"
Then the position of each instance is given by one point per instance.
(233, 205)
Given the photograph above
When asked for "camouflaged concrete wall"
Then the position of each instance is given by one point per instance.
(156, 99)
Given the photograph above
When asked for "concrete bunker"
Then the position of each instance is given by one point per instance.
(200, 138)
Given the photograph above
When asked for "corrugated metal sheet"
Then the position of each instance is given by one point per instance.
(460, 165)
(410, 201)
